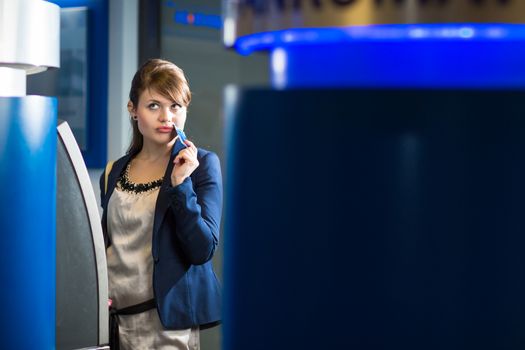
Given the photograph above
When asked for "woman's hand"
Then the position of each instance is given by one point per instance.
(185, 163)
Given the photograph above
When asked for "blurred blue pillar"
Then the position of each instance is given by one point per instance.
(374, 196)
(29, 42)
(27, 213)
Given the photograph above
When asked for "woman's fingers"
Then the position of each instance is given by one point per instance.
(178, 159)
(185, 163)
(186, 155)
(191, 146)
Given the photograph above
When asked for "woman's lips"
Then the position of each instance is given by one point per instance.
(165, 129)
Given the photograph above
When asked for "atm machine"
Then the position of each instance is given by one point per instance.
(52, 256)
(375, 193)
(81, 272)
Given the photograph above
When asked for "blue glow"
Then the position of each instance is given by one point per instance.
(435, 32)
(395, 56)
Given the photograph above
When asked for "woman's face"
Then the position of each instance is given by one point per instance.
(156, 115)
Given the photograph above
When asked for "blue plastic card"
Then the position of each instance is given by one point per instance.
(181, 134)
(179, 142)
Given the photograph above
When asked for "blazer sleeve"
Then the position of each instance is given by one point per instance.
(197, 206)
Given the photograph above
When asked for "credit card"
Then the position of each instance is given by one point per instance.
(179, 142)
(181, 133)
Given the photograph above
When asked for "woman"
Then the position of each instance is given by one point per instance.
(162, 210)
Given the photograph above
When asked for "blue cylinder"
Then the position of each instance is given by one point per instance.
(374, 199)
(429, 55)
(428, 64)
(28, 217)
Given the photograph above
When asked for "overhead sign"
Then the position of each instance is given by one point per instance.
(244, 17)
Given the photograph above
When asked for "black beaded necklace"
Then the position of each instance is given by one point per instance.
(126, 185)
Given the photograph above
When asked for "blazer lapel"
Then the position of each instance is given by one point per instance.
(112, 182)
(117, 169)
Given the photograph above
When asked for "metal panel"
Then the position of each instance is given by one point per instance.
(82, 285)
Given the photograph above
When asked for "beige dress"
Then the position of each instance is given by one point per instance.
(130, 272)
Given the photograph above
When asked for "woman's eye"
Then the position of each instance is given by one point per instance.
(153, 106)
(175, 106)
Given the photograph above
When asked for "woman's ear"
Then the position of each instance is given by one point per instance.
(131, 108)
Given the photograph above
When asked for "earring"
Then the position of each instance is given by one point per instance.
(135, 117)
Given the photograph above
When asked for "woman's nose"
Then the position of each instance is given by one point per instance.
(166, 115)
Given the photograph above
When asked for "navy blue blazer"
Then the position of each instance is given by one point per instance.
(185, 237)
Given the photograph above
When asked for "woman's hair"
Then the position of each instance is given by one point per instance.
(165, 78)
